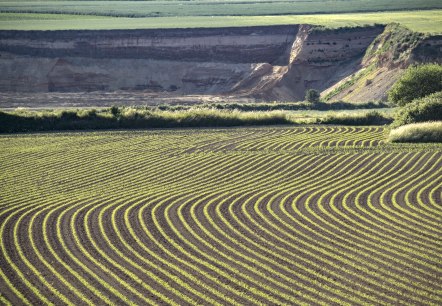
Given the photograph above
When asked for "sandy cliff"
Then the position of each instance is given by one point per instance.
(265, 63)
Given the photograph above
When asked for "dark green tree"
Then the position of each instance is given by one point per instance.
(417, 82)
(312, 96)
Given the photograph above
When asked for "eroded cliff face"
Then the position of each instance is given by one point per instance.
(264, 63)
(384, 62)
(177, 60)
(318, 59)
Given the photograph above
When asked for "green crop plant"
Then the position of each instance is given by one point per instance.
(314, 214)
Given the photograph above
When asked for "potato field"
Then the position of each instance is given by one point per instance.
(307, 215)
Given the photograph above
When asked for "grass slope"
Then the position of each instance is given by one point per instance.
(417, 132)
(313, 215)
(421, 21)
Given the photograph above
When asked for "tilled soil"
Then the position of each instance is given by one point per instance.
(307, 215)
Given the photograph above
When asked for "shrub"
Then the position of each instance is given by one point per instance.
(312, 96)
(115, 111)
(417, 82)
(370, 118)
(420, 110)
(417, 132)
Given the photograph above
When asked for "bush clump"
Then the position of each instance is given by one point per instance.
(417, 132)
(420, 110)
(370, 118)
(312, 96)
(417, 82)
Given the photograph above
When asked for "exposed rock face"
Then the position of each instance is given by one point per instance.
(320, 58)
(266, 63)
(228, 45)
(429, 50)
(185, 61)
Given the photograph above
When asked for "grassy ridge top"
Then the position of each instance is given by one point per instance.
(429, 21)
(212, 7)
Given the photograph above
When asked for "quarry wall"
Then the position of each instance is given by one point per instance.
(266, 63)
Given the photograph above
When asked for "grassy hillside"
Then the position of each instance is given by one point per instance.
(421, 21)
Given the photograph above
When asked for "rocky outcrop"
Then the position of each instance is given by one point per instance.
(264, 63)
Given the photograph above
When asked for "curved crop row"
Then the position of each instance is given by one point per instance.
(312, 215)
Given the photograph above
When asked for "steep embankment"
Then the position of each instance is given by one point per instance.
(186, 61)
(266, 63)
(384, 61)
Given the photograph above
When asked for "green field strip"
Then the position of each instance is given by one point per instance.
(424, 21)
